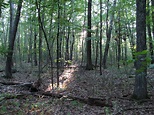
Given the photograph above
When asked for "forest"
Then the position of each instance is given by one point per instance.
(76, 57)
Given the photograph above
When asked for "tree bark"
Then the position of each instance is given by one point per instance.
(12, 36)
(140, 89)
(152, 1)
(89, 65)
(58, 47)
(108, 35)
(100, 42)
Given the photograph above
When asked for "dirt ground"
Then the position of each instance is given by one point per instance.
(114, 86)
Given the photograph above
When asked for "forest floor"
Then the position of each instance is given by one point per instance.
(113, 89)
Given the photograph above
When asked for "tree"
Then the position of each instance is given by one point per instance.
(100, 37)
(140, 89)
(89, 65)
(108, 33)
(152, 2)
(149, 31)
(12, 36)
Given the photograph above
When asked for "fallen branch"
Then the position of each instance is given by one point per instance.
(33, 87)
(10, 83)
(90, 100)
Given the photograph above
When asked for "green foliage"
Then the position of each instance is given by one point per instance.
(92, 38)
(3, 50)
(130, 61)
(148, 60)
(76, 103)
(68, 62)
(6, 95)
(3, 110)
(144, 52)
(107, 111)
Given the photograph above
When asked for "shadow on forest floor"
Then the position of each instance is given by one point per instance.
(114, 86)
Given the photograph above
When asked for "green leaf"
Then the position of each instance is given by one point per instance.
(144, 52)
(92, 38)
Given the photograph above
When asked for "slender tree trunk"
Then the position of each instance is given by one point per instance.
(149, 31)
(100, 42)
(125, 48)
(30, 46)
(89, 65)
(58, 48)
(67, 45)
(83, 31)
(35, 49)
(152, 2)
(72, 46)
(96, 50)
(140, 89)
(119, 40)
(19, 48)
(38, 4)
(12, 36)
(108, 35)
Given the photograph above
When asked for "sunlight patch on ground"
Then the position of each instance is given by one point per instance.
(64, 80)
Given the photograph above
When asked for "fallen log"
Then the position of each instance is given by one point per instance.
(32, 87)
(90, 100)
(10, 83)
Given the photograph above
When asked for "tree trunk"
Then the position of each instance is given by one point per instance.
(140, 89)
(100, 42)
(58, 48)
(149, 33)
(119, 40)
(12, 36)
(96, 50)
(108, 35)
(72, 47)
(35, 49)
(89, 65)
(67, 45)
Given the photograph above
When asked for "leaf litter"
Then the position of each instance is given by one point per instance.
(113, 86)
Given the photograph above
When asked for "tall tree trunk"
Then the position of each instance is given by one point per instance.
(89, 65)
(58, 48)
(152, 3)
(96, 50)
(149, 32)
(100, 42)
(30, 46)
(72, 46)
(140, 89)
(35, 49)
(119, 40)
(83, 31)
(67, 44)
(108, 35)
(12, 36)
(19, 48)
